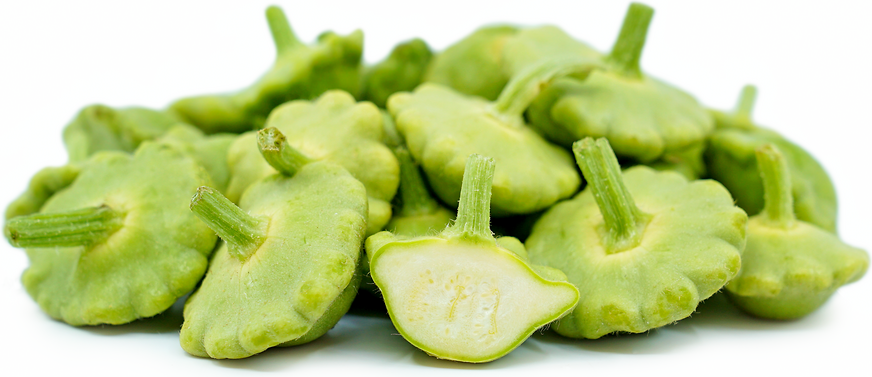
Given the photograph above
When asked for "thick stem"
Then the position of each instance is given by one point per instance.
(282, 34)
(624, 222)
(80, 227)
(242, 232)
(628, 48)
(415, 197)
(278, 153)
(746, 103)
(524, 87)
(473, 213)
(777, 187)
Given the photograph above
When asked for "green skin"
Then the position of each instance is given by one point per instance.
(483, 63)
(473, 293)
(101, 128)
(401, 71)
(442, 127)
(658, 246)
(294, 282)
(530, 45)
(688, 162)
(210, 151)
(790, 267)
(299, 72)
(146, 254)
(332, 128)
(730, 160)
(474, 65)
(642, 117)
(43, 185)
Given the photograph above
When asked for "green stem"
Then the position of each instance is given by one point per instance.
(80, 227)
(624, 222)
(415, 197)
(746, 102)
(777, 187)
(282, 34)
(473, 213)
(628, 48)
(526, 85)
(242, 232)
(278, 153)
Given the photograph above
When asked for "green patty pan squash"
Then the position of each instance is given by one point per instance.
(102, 128)
(790, 267)
(642, 117)
(484, 62)
(731, 160)
(332, 128)
(288, 268)
(401, 71)
(462, 294)
(474, 65)
(118, 243)
(299, 72)
(442, 127)
(643, 247)
(529, 46)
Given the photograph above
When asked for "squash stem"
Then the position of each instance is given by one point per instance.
(777, 187)
(414, 196)
(524, 87)
(746, 103)
(243, 233)
(282, 34)
(473, 213)
(627, 50)
(278, 153)
(79, 227)
(624, 222)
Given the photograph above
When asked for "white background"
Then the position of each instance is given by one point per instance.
(811, 61)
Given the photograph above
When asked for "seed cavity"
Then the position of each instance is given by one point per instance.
(458, 304)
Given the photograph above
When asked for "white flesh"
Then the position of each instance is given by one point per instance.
(465, 302)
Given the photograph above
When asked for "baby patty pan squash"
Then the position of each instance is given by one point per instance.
(462, 294)
(118, 243)
(730, 159)
(299, 72)
(643, 247)
(288, 268)
(642, 117)
(790, 267)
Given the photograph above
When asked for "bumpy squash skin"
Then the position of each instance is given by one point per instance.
(300, 280)
(789, 273)
(443, 127)
(102, 128)
(333, 128)
(690, 248)
(158, 255)
(730, 159)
